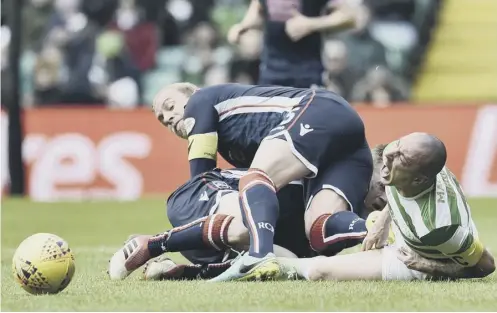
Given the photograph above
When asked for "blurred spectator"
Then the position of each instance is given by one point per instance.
(201, 45)
(189, 13)
(363, 51)
(48, 76)
(217, 74)
(112, 65)
(35, 16)
(72, 32)
(100, 12)
(337, 77)
(121, 51)
(380, 87)
(347, 56)
(140, 35)
(392, 26)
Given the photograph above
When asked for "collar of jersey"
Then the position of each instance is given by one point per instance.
(419, 195)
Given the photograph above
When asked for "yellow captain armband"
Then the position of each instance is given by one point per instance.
(471, 256)
(202, 146)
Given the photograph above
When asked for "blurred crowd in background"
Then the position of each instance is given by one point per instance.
(120, 52)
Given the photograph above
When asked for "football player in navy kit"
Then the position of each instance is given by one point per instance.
(291, 53)
(208, 228)
(209, 232)
(281, 134)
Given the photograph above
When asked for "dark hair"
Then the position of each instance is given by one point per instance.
(378, 150)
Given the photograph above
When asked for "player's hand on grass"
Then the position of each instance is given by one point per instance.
(413, 260)
(298, 26)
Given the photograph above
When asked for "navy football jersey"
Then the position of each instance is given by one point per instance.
(232, 119)
(281, 57)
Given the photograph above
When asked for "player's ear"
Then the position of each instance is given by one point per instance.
(420, 180)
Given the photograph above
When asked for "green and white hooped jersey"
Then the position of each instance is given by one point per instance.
(437, 223)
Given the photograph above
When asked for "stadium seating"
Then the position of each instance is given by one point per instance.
(461, 62)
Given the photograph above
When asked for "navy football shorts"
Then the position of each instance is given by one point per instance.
(327, 135)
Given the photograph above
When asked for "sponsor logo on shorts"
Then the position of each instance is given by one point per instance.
(204, 196)
(305, 129)
(219, 184)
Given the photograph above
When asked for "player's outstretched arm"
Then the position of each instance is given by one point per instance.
(378, 233)
(469, 256)
(443, 269)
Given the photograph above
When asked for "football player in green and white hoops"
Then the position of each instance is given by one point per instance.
(435, 236)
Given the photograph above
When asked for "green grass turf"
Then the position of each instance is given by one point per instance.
(95, 230)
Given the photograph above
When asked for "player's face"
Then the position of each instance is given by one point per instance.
(170, 113)
(397, 169)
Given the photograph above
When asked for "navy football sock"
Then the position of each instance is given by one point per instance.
(205, 233)
(341, 230)
(260, 208)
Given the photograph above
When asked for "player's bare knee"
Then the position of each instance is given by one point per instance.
(238, 235)
(276, 159)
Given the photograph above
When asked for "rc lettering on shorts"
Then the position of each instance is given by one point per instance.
(351, 226)
(263, 225)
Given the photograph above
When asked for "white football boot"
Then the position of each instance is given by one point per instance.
(129, 258)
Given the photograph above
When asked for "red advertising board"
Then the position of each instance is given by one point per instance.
(76, 153)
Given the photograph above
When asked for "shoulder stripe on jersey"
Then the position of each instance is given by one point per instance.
(428, 211)
(255, 104)
(402, 211)
(414, 212)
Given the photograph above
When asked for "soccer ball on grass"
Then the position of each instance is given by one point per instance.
(43, 264)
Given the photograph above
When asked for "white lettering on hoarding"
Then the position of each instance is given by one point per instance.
(65, 167)
(112, 165)
(482, 155)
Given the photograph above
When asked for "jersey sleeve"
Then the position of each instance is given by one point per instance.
(458, 243)
(201, 123)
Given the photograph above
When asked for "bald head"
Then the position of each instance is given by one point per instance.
(427, 151)
(167, 94)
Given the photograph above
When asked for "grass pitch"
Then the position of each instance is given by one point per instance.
(95, 230)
